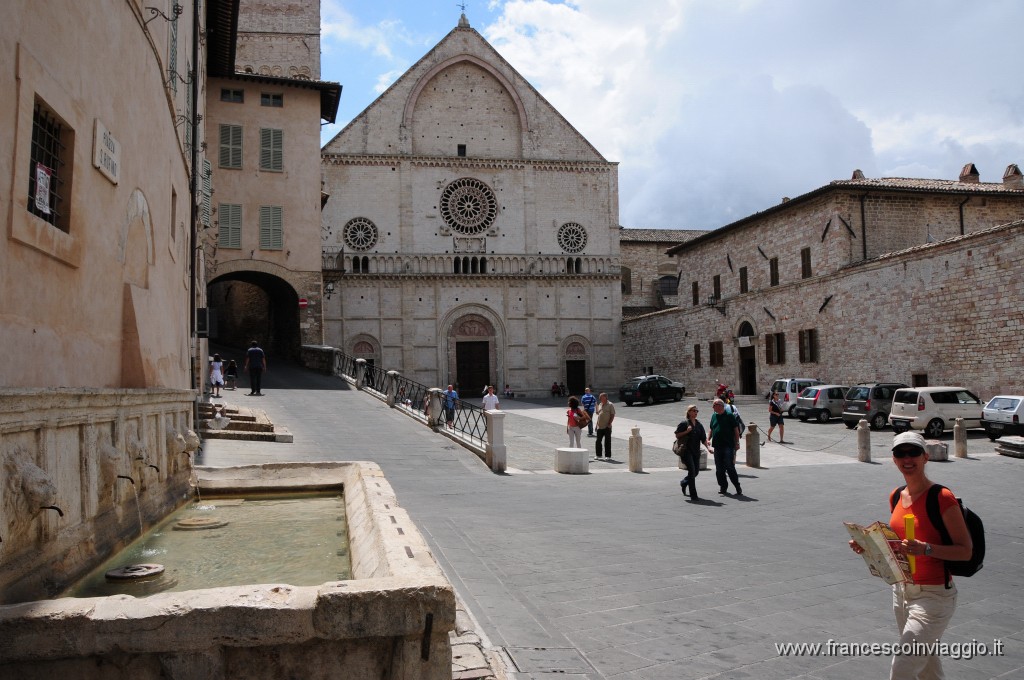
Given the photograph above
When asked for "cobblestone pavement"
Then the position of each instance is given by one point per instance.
(617, 575)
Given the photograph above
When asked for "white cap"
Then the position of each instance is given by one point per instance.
(912, 438)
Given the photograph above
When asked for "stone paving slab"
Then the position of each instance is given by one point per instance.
(641, 583)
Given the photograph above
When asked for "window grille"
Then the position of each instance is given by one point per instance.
(47, 155)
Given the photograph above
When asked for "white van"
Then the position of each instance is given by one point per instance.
(934, 409)
(789, 389)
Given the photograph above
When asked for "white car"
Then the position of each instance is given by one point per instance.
(1003, 414)
(933, 409)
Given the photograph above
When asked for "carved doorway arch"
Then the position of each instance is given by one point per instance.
(472, 354)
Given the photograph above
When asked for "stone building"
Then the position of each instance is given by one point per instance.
(263, 117)
(912, 280)
(649, 278)
(472, 233)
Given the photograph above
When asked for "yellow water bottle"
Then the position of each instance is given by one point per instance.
(908, 526)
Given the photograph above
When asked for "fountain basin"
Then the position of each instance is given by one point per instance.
(391, 619)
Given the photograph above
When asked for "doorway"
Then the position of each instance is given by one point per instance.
(575, 376)
(748, 360)
(472, 367)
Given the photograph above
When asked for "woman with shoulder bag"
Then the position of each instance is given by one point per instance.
(690, 434)
(577, 419)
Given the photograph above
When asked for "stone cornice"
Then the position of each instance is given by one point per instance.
(460, 162)
(464, 279)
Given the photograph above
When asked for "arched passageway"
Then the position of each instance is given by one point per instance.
(247, 305)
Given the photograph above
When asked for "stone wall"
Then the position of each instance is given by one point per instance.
(66, 447)
(949, 310)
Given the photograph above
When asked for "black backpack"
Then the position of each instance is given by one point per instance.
(974, 524)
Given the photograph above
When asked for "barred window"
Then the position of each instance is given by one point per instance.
(809, 346)
(271, 229)
(231, 146)
(271, 149)
(49, 177)
(775, 348)
(716, 352)
(229, 225)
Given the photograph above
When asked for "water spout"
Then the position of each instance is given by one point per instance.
(154, 467)
(128, 478)
(53, 507)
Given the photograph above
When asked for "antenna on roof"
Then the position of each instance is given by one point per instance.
(462, 6)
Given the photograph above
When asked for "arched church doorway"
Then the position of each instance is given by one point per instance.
(575, 368)
(747, 359)
(472, 341)
(248, 305)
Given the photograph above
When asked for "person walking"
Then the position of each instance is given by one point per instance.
(491, 400)
(589, 403)
(775, 418)
(256, 365)
(216, 376)
(576, 417)
(450, 399)
(693, 435)
(923, 608)
(605, 416)
(725, 442)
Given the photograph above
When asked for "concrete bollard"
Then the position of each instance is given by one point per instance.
(959, 438)
(495, 452)
(392, 388)
(572, 461)
(863, 441)
(360, 373)
(435, 407)
(753, 445)
(636, 451)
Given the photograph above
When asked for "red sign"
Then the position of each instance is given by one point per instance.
(303, 303)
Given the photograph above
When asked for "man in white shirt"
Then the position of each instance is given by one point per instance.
(491, 400)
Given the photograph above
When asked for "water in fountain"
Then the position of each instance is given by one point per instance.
(298, 540)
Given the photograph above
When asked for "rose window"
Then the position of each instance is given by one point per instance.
(360, 234)
(572, 237)
(468, 206)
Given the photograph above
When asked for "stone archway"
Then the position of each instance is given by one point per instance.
(472, 354)
(575, 353)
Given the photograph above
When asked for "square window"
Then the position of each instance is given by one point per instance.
(272, 99)
(461, 150)
(232, 96)
(809, 346)
(775, 348)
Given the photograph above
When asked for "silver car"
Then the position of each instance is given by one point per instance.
(821, 402)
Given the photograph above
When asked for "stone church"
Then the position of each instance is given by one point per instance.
(470, 233)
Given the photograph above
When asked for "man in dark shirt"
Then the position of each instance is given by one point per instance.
(725, 440)
(256, 364)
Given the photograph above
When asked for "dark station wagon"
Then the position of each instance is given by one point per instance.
(651, 388)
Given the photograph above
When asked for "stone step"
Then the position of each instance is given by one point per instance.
(236, 435)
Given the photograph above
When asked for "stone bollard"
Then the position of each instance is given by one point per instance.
(360, 373)
(936, 450)
(392, 390)
(636, 451)
(753, 445)
(703, 459)
(863, 441)
(435, 407)
(495, 452)
(959, 438)
(572, 461)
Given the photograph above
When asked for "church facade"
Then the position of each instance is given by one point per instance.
(471, 233)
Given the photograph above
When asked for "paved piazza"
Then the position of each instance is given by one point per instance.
(616, 575)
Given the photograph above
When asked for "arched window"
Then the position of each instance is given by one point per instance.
(366, 264)
(458, 265)
(668, 285)
(483, 265)
(355, 265)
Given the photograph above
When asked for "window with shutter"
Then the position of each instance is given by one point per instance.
(230, 146)
(207, 177)
(271, 236)
(271, 149)
(229, 229)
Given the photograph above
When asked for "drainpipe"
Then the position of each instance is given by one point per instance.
(863, 229)
(193, 187)
(961, 208)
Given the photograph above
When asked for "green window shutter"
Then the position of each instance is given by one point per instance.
(230, 146)
(271, 149)
(229, 232)
(207, 177)
(271, 228)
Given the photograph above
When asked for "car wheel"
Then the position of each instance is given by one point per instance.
(878, 421)
(993, 437)
(935, 428)
(678, 396)
(824, 416)
(629, 403)
(791, 411)
(803, 419)
(650, 400)
(850, 425)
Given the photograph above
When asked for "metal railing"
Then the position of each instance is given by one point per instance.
(465, 418)
(412, 396)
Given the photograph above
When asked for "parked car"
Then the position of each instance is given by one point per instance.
(789, 389)
(871, 402)
(821, 402)
(933, 409)
(651, 388)
(1003, 414)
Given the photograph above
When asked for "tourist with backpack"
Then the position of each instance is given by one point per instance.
(924, 607)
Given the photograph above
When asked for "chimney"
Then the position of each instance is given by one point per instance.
(857, 174)
(969, 174)
(1012, 178)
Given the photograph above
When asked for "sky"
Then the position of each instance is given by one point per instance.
(717, 109)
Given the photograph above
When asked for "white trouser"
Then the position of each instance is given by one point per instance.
(922, 614)
(574, 436)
